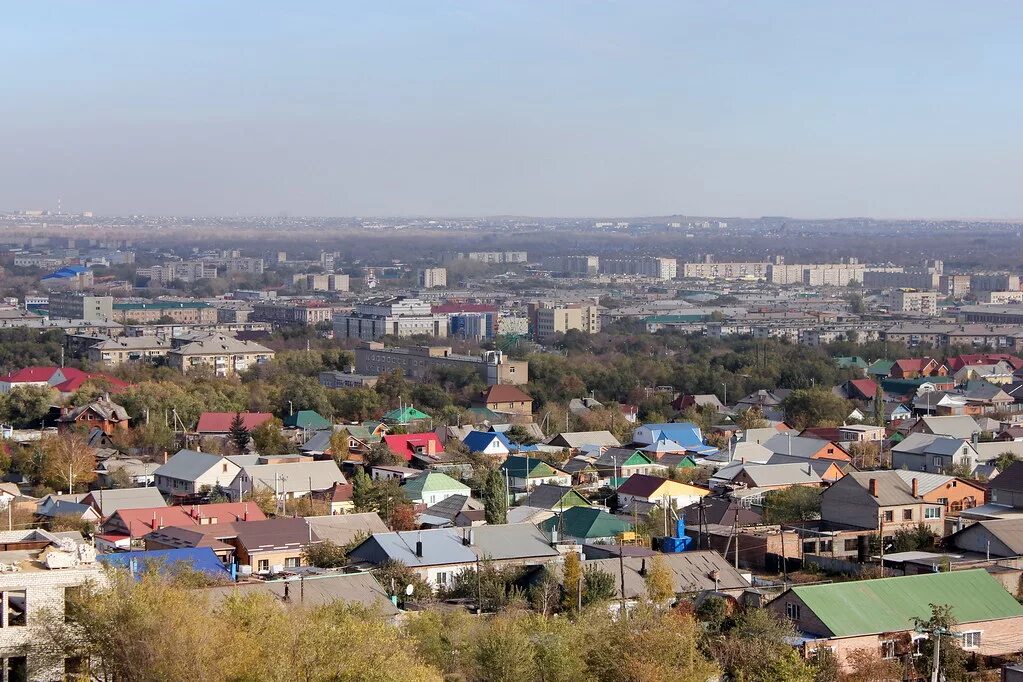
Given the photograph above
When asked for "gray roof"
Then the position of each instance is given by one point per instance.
(450, 507)
(818, 465)
(526, 514)
(794, 446)
(577, 439)
(766, 475)
(854, 486)
(109, 501)
(929, 444)
(989, 451)
(512, 541)
(546, 495)
(926, 482)
(343, 528)
(958, 426)
(317, 590)
(188, 465)
(294, 477)
(318, 442)
(445, 546)
(690, 572)
(761, 435)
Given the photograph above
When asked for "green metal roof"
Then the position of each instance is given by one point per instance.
(636, 459)
(306, 419)
(515, 465)
(880, 367)
(586, 522)
(161, 305)
(405, 415)
(864, 607)
(432, 482)
(850, 361)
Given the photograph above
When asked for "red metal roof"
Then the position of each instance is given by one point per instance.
(406, 444)
(30, 375)
(139, 522)
(75, 382)
(220, 422)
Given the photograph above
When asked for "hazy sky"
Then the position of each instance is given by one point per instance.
(814, 108)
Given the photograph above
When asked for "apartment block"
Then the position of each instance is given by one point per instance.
(547, 320)
(421, 362)
(181, 312)
(225, 355)
(321, 282)
(433, 277)
(888, 279)
(913, 302)
(999, 297)
(395, 315)
(288, 313)
(728, 271)
(643, 266)
(493, 256)
(72, 305)
(995, 282)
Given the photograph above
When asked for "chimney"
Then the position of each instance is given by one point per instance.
(419, 548)
(872, 487)
(287, 591)
(164, 456)
(642, 566)
(465, 539)
(153, 524)
(916, 488)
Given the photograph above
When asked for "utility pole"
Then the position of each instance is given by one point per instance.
(735, 532)
(881, 538)
(621, 574)
(936, 633)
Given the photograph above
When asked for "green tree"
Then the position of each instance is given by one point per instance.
(362, 491)
(814, 407)
(573, 581)
(495, 498)
(878, 405)
(339, 446)
(910, 540)
(598, 587)
(660, 584)
(1005, 460)
(952, 658)
(520, 436)
(269, 438)
(27, 406)
(238, 434)
(795, 503)
(381, 455)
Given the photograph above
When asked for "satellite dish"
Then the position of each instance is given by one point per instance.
(409, 589)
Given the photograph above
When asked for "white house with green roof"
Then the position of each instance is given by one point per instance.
(432, 487)
(878, 615)
(525, 473)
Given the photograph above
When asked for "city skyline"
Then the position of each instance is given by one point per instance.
(513, 109)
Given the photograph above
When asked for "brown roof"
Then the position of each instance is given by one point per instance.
(641, 485)
(505, 393)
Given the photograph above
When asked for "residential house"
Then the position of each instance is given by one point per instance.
(684, 401)
(457, 510)
(913, 368)
(936, 454)
(767, 477)
(137, 472)
(64, 380)
(768, 402)
(577, 440)
(857, 389)
(487, 443)
(830, 470)
(226, 355)
(956, 494)
(525, 473)
(263, 546)
(585, 525)
(955, 426)
(854, 362)
(344, 528)
(431, 487)
(620, 463)
(683, 436)
(167, 562)
(881, 614)
(103, 414)
(554, 497)
(997, 538)
(438, 555)
(106, 502)
(861, 433)
(189, 472)
(659, 491)
(759, 436)
(505, 399)
(997, 373)
(693, 573)
(407, 416)
(219, 423)
(307, 420)
(408, 445)
(311, 591)
(806, 448)
(880, 369)
(876, 500)
(286, 477)
(959, 361)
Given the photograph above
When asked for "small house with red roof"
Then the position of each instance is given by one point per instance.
(219, 423)
(505, 399)
(912, 368)
(957, 362)
(858, 389)
(406, 445)
(65, 380)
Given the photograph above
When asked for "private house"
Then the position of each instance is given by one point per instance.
(879, 615)
(102, 414)
(880, 369)
(128, 526)
(431, 487)
(106, 502)
(767, 477)
(554, 497)
(620, 463)
(998, 538)
(525, 473)
(996, 373)
(913, 368)
(926, 452)
(189, 472)
(829, 470)
(697, 400)
(407, 416)
(860, 433)
(64, 380)
(959, 361)
(409, 445)
(457, 510)
(307, 420)
(963, 427)
(139, 473)
(342, 529)
(806, 447)
(987, 397)
(438, 555)
(873, 500)
(857, 389)
(854, 362)
(659, 491)
(895, 413)
(311, 591)
(219, 423)
(487, 443)
(577, 440)
(693, 573)
(687, 436)
(287, 477)
(505, 399)
(585, 525)
(263, 546)
(956, 494)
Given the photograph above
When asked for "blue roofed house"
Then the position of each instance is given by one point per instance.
(164, 561)
(487, 443)
(686, 434)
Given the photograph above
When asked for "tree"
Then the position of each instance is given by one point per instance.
(795, 503)
(867, 665)
(878, 405)
(573, 582)
(381, 455)
(866, 455)
(660, 585)
(495, 498)
(392, 387)
(339, 446)
(1005, 460)
(402, 517)
(69, 461)
(396, 577)
(545, 593)
(814, 407)
(269, 438)
(506, 654)
(26, 406)
(952, 658)
(326, 554)
(520, 436)
(598, 587)
(916, 539)
(753, 418)
(362, 491)
(238, 434)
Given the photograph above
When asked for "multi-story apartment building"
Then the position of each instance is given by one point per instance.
(955, 286)
(72, 305)
(184, 271)
(493, 256)
(225, 355)
(336, 379)
(123, 349)
(546, 320)
(395, 315)
(181, 312)
(285, 313)
(244, 266)
(888, 279)
(913, 302)
(640, 266)
(999, 297)
(321, 282)
(577, 266)
(433, 277)
(995, 281)
(421, 362)
(729, 271)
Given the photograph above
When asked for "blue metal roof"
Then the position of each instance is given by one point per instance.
(166, 560)
(478, 441)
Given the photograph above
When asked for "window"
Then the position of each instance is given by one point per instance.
(809, 547)
(15, 669)
(971, 640)
(937, 463)
(889, 516)
(263, 565)
(292, 562)
(852, 545)
(442, 578)
(223, 467)
(907, 514)
(14, 608)
(932, 512)
(792, 610)
(888, 648)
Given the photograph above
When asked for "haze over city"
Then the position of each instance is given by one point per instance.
(528, 108)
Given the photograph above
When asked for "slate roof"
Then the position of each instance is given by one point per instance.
(1011, 479)
(796, 446)
(343, 528)
(862, 607)
(577, 439)
(188, 465)
(292, 477)
(768, 475)
(318, 590)
(690, 571)
(445, 546)
(891, 489)
(106, 502)
(720, 510)
(958, 426)
(926, 443)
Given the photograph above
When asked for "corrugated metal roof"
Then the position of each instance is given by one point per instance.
(890, 604)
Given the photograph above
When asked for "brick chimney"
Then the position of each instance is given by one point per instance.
(872, 487)
(431, 447)
(916, 488)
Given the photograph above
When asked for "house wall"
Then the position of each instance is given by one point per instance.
(276, 558)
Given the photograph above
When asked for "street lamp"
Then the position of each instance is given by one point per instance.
(724, 388)
(291, 409)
